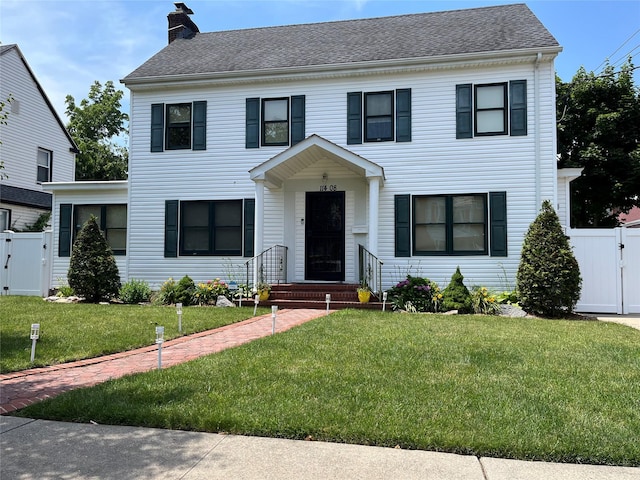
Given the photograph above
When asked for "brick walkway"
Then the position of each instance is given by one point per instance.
(19, 389)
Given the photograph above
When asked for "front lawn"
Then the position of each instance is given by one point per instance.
(552, 390)
(77, 331)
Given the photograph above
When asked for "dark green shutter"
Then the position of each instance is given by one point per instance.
(403, 225)
(171, 228)
(464, 111)
(518, 104)
(354, 118)
(64, 245)
(252, 139)
(403, 115)
(297, 119)
(157, 127)
(249, 226)
(498, 223)
(200, 125)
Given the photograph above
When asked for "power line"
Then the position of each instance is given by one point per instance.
(617, 49)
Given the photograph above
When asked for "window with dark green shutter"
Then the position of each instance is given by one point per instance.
(518, 105)
(200, 125)
(354, 118)
(211, 227)
(274, 121)
(498, 222)
(297, 119)
(249, 226)
(491, 109)
(111, 219)
(403, 115)
(157, 127)
(171, 228)
(402, 225)
(252, 123)
(64, 239)
(179, 126)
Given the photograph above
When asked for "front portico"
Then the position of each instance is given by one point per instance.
(321, 201)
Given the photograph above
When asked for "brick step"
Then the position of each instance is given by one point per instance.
(282, 304)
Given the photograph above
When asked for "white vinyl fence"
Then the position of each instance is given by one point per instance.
(609, 262)
(25, 267)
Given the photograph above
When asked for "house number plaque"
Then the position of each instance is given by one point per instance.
(328, 188)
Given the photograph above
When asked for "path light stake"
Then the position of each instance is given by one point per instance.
(327, 299)
(384, 300)
(179, 312)
(274, 312)
(35, 334)
(159, 340)
(256, 300)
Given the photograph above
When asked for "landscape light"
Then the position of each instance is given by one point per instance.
(35, 335)
(384, 300)
(256, 300)
(179, 312)
(274, 312)
(159, 341)
(327, 299)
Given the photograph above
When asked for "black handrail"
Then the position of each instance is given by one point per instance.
(370, 270)
(269, 267)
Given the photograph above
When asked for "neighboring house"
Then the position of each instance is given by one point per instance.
(630, 219)
(36, 147)
(429, 139)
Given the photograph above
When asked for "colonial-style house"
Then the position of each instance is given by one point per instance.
(362, 149)
(35, 146)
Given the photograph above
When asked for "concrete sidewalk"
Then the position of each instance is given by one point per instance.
(42, 450)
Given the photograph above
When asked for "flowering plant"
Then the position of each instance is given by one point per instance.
(208, 292)
(484, 301)
(421, 294)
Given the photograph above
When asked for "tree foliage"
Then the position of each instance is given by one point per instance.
(94, 125)
(3, 121)
(599, 130)
(93, 273)
(456, 296)
(548, 278)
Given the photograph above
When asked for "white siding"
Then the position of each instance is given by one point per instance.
(31, 125)
(434, 162)
(21, 216)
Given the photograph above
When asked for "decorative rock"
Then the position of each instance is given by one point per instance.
(224, 302)
(512, 311)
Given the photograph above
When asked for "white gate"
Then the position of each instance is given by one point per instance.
(610, 267)
(25, 267)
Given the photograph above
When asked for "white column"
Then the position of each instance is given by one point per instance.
(374, 200)
(259, 226)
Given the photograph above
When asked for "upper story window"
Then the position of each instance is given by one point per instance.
(44, 165)
(179, 126)
(491, 109)
(379, 116)
(274, 121)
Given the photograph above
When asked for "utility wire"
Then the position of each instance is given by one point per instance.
(617, 49)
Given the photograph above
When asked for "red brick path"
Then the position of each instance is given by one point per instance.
(19, 389)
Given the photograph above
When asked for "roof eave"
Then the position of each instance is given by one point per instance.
(350, 69)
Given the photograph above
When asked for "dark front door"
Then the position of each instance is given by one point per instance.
(324, 234)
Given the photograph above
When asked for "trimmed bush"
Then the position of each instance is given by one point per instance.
(93, 273)
(135, 291)
(456, 296)
(185, 291)
(548, 279)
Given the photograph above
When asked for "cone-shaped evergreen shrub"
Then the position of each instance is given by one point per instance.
(456, 296)
(93, 273)
(548, 278)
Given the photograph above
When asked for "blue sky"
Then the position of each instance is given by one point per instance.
(71, 43)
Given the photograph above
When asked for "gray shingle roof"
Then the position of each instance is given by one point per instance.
(500, 28)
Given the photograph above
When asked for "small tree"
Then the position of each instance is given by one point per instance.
(548, 278)
(456, 296)
(93, 273)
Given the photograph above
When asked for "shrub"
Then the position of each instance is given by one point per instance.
(185, 291)
(416, 294)
(93, 273)
(456, 296)
(548, 279)
(484, 301)
(135, 291)
(167, 293)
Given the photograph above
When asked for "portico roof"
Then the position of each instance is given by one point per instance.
(286, 164)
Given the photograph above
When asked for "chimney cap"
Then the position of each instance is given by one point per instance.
(182, 7)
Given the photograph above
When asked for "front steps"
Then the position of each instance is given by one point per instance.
(313, 295)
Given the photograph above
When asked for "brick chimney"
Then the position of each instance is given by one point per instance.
(180, 25)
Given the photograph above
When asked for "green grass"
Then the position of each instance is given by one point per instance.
(566, 391)
(77, 331)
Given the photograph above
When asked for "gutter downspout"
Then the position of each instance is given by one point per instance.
(536, 79)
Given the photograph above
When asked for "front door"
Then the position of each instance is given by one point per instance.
(324, 236)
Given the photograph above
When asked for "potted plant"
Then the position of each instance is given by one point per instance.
(263, 289)
(364, 292)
